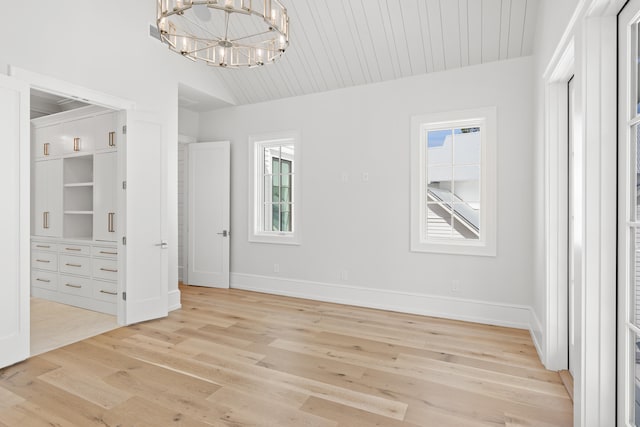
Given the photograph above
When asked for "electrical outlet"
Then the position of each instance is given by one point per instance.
(365, 176)
(344, 275)
(276, 268)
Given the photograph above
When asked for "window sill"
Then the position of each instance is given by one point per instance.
(479, 249)
(276, 239)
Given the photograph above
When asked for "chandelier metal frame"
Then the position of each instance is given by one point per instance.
(219, 50)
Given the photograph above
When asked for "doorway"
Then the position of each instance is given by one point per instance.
(74, 214)
(141, 267)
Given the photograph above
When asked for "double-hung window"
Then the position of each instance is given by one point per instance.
(275, 193)
(453, 170)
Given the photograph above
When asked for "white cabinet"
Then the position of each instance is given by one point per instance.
(76, 132)
(47, 141)
(104, 127)
(75, 166)
(47, 190)
(104, 196)
(75, 273)
(78, 137)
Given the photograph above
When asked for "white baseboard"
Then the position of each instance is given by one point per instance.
(174, 300)
(490, 313)
(535, 328)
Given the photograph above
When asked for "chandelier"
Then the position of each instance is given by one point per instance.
(225, 33)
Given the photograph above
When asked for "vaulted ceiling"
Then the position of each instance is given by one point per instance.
(342, 43)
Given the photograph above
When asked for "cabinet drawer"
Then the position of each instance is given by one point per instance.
(105, 252)
(105, 269)
(105, 291)
(72, 249)
(44, 246)
(44, 280)
(80, 286)
(75, 265)
(44, 260)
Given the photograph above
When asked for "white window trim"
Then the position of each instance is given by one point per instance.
(256, 143)
(486, 245)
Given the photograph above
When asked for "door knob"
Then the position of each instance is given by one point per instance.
(224, 233)
(163, 245)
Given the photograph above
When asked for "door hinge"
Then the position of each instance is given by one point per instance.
(124, 129)
(124, 185)
(124, 296)
(124, 241)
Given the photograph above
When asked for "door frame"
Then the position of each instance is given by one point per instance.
(593, 26)
(184, 141)
(557, 210)
(69, 90)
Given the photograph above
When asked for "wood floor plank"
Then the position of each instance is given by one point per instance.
(238, 358)
(351, 417)
(89, 387)
(250, 410)
(8, 399)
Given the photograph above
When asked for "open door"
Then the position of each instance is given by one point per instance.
(14, 221)
(144, 266)
(208, 224)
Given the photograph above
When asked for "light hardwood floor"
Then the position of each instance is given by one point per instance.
(55, 325)
(235, 358)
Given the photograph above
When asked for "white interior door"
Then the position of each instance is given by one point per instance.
(14, 221)
(145, 274)
(208, 225)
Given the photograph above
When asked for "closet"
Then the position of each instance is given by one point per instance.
(74, 208)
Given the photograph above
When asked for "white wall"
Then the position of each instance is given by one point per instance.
(104, 46)
(188, 123)
(362, 227)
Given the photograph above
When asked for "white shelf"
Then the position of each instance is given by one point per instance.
(78, 212)
(79, 184)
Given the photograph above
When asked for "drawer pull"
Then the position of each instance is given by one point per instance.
(43, 246)
(43, 260)
(112, 139)
(46, 148)
(76, 144)
(43, 280)
(73, 249)
(108, 292)
(73, 286)
(108, 253)
(73, 265)
(110, 270)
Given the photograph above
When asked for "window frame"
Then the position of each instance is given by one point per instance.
(485, 119)
(257, 144)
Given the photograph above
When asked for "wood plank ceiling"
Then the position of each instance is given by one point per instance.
(342, 43)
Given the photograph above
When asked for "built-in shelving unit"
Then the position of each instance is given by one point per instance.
(74, 251)
(78, 197)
